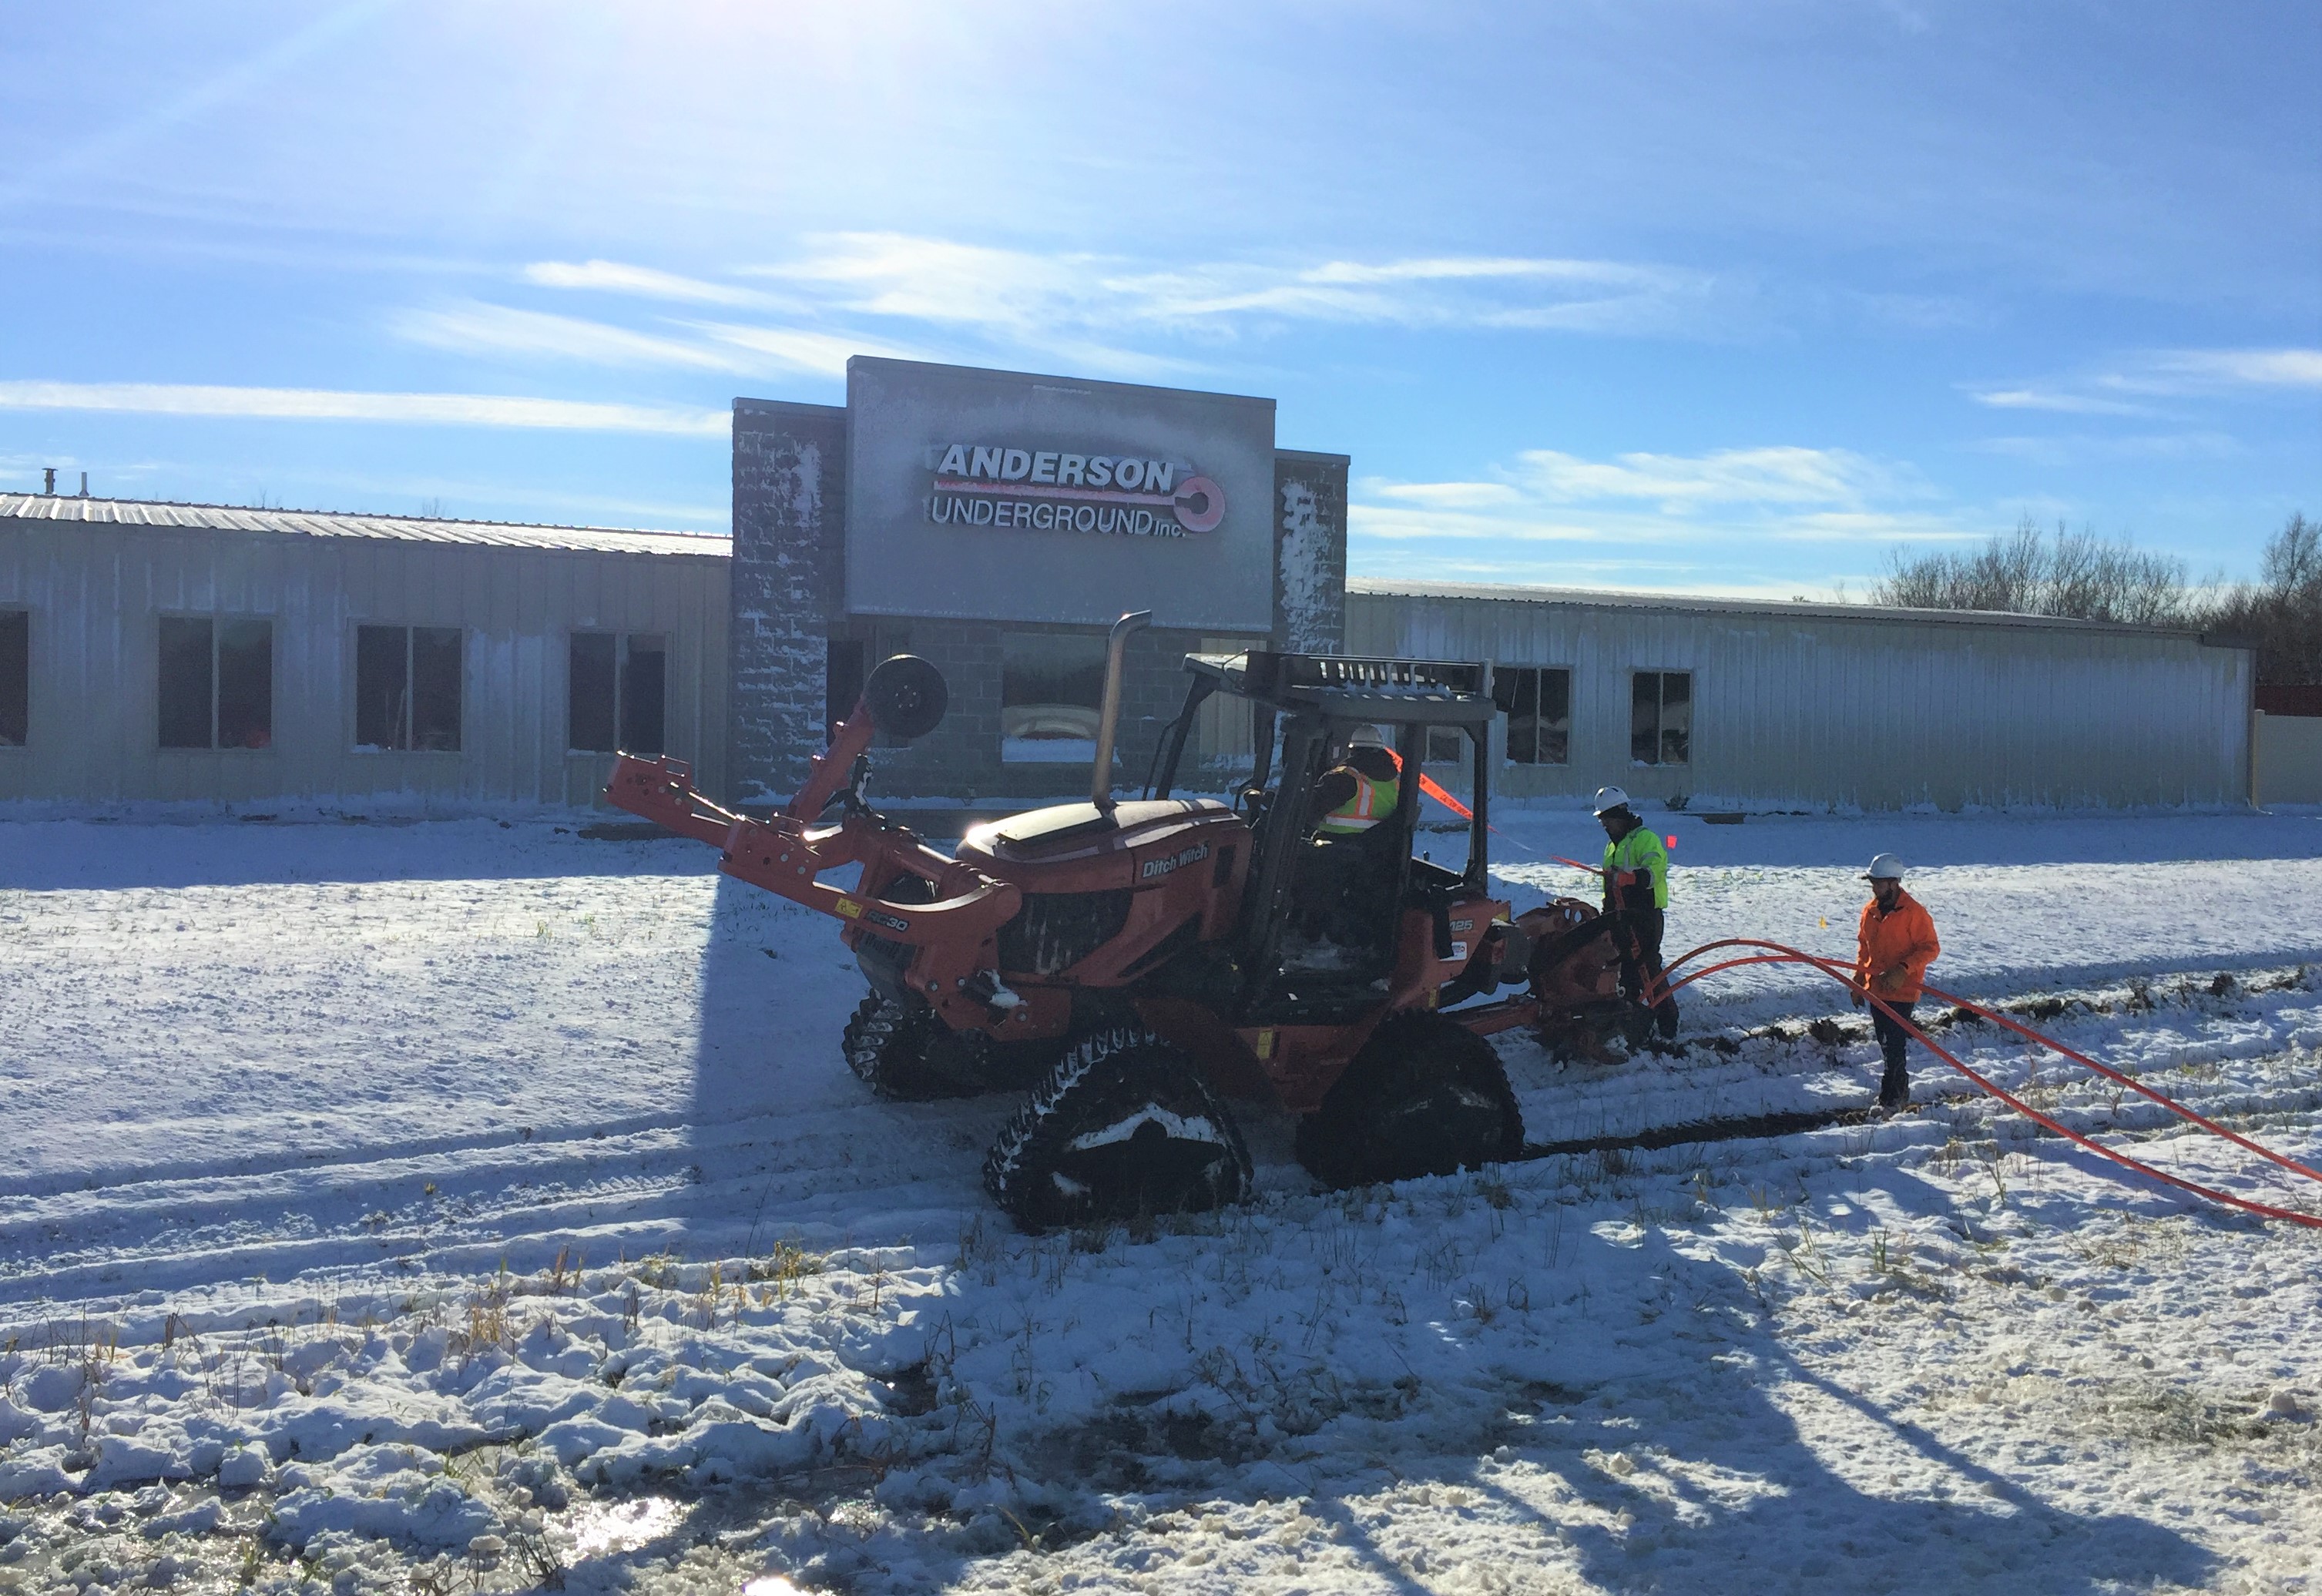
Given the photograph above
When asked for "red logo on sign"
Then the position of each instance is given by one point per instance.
(1198, 505)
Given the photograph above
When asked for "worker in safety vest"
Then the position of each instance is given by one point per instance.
(1636, 883)
(1893, 947)
(1362, 789)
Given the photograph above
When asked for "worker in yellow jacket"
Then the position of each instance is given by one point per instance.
(1361, 788)
(1636, 884)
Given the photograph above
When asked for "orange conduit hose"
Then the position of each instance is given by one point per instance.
(2029, 1034)
(1774, 953)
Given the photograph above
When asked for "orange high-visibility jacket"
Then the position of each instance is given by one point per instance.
(1902, 940)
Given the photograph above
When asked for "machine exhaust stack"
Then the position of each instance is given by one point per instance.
(1116, 651)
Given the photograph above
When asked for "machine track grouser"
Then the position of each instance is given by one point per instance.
(1134, 964)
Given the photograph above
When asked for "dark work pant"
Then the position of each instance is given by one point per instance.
(1893, 1039)
(1645, 966)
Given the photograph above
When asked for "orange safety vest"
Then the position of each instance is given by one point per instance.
(1902, 940)
(1373, 802)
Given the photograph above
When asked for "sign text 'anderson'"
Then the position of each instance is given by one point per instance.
(994, 485)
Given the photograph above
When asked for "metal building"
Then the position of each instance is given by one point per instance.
(1747, 704)
(997, 522)
(159, 652)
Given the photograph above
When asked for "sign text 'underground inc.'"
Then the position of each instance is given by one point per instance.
(1126, 496)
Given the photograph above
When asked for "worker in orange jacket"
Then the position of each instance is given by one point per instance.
(1893, 947)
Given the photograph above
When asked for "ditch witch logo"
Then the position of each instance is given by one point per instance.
(980, 485)
(1153, 869)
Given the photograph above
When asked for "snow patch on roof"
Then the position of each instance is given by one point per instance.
(118, 512)
(1703, 604)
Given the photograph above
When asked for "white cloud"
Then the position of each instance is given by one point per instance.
(824, 353)
(1025, 294)
(1533, 525)
(1521, 524)
(1679, 485)
(1439, 267)
(612, 277)
(2042, 398)
(926, 280)
(475, 328)
(2162, 374)
(735, 348)
(2238, 367)
(1089, 312)
(1478, 291)
(1703, 522)
(1876, 527)
(1004, 296)
(1781, 475)
(298, 404)
(1445, 496)
(2074, 448)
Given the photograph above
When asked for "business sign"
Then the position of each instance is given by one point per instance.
(1000, 496)
(1049, 489)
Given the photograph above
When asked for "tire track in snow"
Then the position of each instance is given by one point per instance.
(689, 1187)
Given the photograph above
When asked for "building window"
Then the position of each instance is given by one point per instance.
(1446, 745)
(1660, 717)
(618, 692)
(1051, 693)
(1538, 700)
(16, 678)
(216, 684)
(645, 693)
(407, 688)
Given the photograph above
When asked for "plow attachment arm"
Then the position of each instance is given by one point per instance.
(662, 791)
(940, 939)
(787, 856)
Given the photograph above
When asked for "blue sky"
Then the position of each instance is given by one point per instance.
(1708, 297)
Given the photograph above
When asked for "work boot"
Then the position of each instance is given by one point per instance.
(1665, 1016)
(1895, 1092)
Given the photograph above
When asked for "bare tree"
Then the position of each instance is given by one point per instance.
(2027, 572)
(2282, 612)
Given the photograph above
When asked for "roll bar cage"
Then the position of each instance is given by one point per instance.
(1323, 694)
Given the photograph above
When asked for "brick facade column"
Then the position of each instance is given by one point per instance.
(1310, 552)
(789, 534)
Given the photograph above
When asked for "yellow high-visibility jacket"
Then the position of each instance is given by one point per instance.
(1373, 802)
(1640, 850)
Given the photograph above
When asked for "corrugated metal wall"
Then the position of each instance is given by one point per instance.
(1818, 709)
(96, 592)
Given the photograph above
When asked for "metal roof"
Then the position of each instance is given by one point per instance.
(122, 512)
(1779, 608)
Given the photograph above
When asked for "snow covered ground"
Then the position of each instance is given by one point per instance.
(378, 1194)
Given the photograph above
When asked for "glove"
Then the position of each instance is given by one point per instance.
(1854, 996)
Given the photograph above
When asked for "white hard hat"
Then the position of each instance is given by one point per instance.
(1884, 868)
(1609, 799)
(1365, 736)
